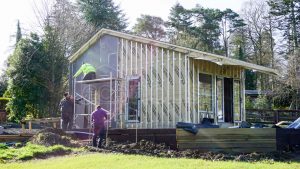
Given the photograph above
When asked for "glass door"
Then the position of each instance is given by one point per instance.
(237, 100)
(220, 99)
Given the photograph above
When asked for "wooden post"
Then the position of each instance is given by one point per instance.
(54, 125)
(30, 127)
(23, 127)
(275, 116)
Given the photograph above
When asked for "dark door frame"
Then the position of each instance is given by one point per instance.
(228, 100)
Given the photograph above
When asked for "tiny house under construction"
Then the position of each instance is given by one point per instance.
(145, 83)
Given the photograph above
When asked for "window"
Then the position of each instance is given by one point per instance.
(205, 92)
(236, 100)
(220, 98)
(133, 105)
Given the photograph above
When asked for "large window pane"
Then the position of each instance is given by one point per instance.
(220, 99)
(133, 99)
(236, 101)
(205, 92)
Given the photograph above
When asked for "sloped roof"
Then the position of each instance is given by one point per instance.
(196, 54)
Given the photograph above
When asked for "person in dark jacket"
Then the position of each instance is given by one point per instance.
(67, 111)
(98, 118)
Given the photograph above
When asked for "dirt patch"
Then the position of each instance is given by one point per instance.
(161, 150)
(50, 137)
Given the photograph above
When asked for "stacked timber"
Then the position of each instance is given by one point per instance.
(228, 140)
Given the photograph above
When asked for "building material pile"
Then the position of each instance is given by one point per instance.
(50, 137)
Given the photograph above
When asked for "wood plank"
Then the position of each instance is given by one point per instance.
(235, 150)
(13, 138)
(220, 139)
(212, 140)
(229, 136)
(227, 145)
(225, 131)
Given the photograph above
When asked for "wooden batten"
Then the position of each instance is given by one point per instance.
(221, 70)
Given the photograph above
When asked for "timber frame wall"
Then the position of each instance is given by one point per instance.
(169, 84)
(169, 76)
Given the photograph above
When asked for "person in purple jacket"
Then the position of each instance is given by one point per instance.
(98, 118)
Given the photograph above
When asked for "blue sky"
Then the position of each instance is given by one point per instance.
(23, 10)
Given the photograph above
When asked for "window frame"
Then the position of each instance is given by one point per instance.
(199, 93)
(240, 100)
(138, 113)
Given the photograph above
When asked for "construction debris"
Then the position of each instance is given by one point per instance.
(51, 136)
(149, 148)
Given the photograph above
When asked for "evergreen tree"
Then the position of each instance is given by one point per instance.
(179, 24)
(179, 18)
(103, 14)
(19, 33)
(36, 74)
(198, 28)
(288, 16)
(230, 23)
(239, 43)
(28, 92)
(207, 28)
(150, 27)
(55, 69)
(3, 83)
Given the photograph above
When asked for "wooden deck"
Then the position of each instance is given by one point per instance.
(228, 140)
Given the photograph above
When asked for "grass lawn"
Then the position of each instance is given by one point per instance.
(119, 161)
(30, 151)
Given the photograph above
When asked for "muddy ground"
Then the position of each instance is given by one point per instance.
(161, 150)
(49, 137)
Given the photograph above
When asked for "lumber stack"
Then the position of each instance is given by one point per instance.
(15, 138)
(228, 140)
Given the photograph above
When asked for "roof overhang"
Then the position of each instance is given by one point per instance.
(221, 60)
(195, 54)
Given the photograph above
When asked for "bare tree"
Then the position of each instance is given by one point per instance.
(259, 35)
(293, 77)
(66, 20)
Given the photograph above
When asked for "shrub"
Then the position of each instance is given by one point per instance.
(248, 103)
(261, 102)
(3, 146)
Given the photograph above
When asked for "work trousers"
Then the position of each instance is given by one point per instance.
(99, 132)
(90, 76)
(67, 123)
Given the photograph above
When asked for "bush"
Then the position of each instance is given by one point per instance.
(261, 102)
(248, 103)
(3, 146)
